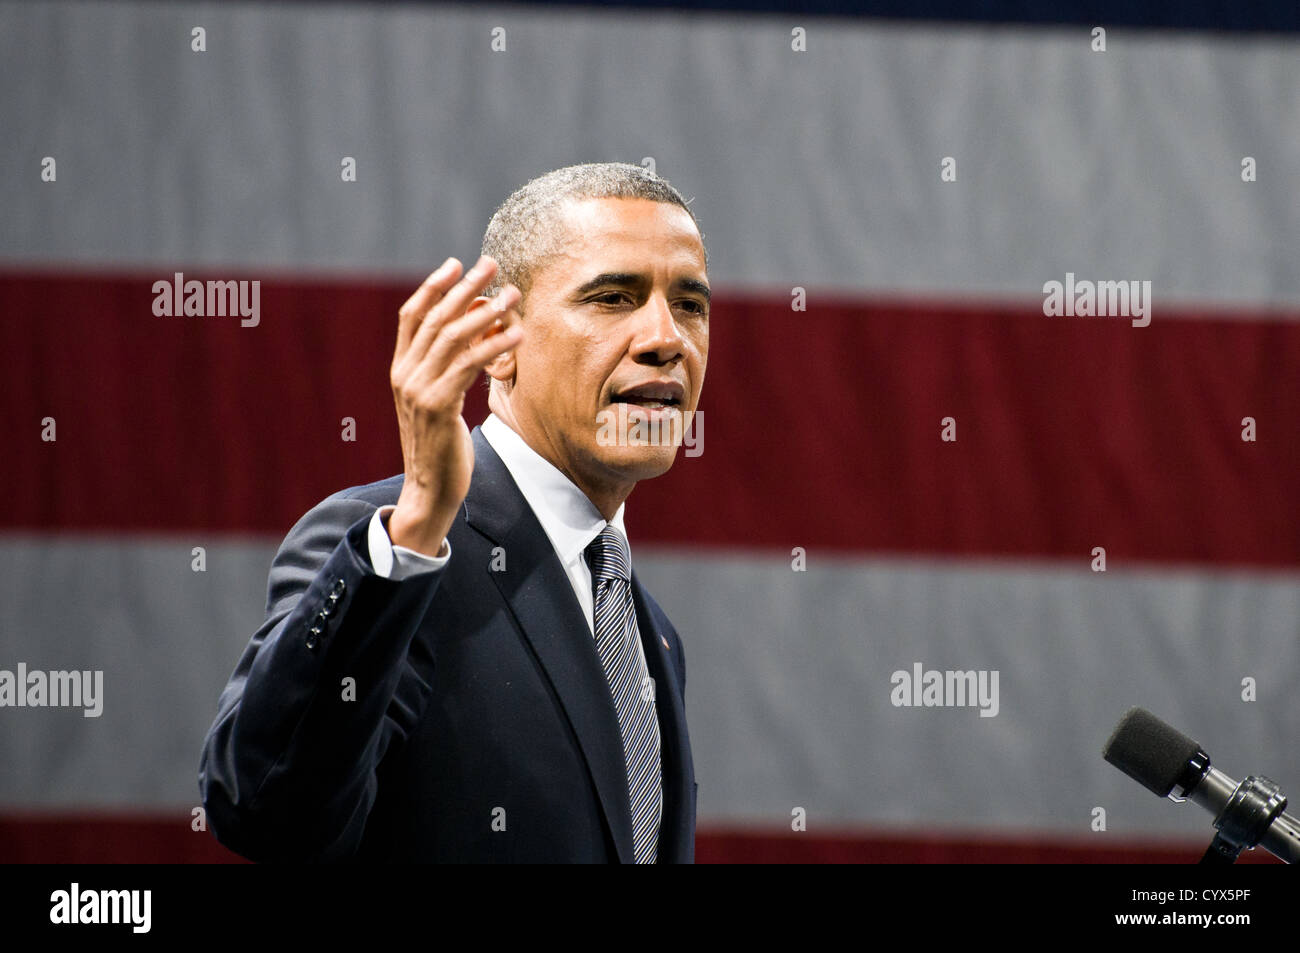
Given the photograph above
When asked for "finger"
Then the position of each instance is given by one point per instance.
(453, 303)
(425, 297)
(479, 322)
(488, 320)
(508, 301)
(475, 360)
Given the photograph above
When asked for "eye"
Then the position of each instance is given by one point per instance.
(611, 297)
(694, 306)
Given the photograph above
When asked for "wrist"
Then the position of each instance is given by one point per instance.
(419, 531)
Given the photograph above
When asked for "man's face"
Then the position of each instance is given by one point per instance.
(616, 336)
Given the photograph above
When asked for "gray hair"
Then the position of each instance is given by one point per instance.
(526, 230)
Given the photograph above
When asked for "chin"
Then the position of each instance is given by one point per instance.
(638, 443)
(639, 463)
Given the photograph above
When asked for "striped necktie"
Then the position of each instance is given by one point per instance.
(619, 645)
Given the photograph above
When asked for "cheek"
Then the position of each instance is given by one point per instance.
(595, 359)
(542, 361)
(578, 379)
(701, 348)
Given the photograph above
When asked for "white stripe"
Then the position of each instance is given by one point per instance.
(818, 169)
(788, 689)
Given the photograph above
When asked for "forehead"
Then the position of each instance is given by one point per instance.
(628, 235)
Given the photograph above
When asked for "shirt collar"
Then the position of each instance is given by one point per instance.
(571, 521)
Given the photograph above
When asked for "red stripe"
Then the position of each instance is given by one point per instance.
(719, 846)
(822, 428)
(67, 838)
(158, 839)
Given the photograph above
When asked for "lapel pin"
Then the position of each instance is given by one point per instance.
(665, 642)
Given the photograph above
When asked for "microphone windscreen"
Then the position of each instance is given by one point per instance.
(1149, 751)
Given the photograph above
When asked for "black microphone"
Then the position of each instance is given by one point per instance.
(1169, 764)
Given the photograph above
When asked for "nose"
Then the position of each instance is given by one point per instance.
(658, 340)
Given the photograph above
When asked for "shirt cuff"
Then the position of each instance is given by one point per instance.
(397, 562)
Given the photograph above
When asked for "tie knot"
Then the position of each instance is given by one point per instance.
(607, 555)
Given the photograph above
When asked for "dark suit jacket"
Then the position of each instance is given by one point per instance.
(480, 702)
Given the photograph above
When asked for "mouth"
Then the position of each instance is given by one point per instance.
(651, 396)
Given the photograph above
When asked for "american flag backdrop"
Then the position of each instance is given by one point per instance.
(907, 466)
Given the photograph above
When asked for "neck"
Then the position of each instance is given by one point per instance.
(605, 497)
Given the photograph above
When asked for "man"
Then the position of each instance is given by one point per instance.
(457, 663)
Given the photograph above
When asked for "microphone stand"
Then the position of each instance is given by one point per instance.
(1244, 820)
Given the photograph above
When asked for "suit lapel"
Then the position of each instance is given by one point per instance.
(673, 829)
(540, 595)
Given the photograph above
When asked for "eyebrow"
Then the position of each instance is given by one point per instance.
(626, 279)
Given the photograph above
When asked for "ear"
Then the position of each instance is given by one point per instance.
(502, 367)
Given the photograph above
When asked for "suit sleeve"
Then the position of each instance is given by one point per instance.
(288, 766)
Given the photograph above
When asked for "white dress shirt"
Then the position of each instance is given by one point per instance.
(569, 519)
